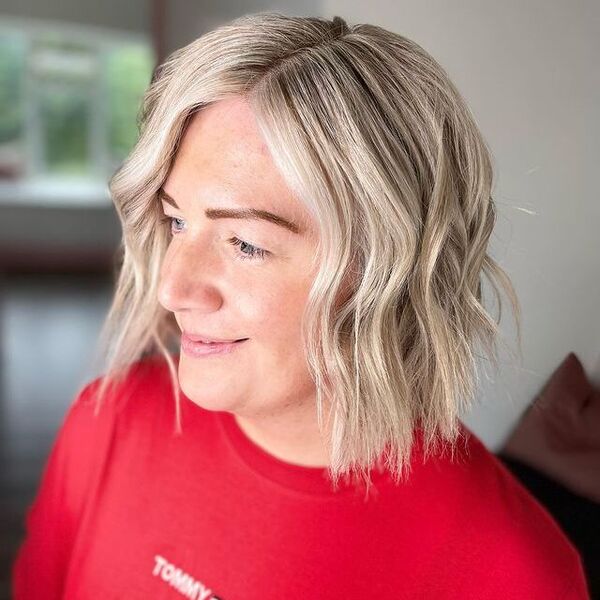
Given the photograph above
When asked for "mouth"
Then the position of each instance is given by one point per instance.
(208, 343)
(201, 348)
(207, 339)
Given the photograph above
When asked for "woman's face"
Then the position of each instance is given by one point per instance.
(221, 289)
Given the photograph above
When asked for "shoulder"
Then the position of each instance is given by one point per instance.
(75, 469)
(92, 433)
(135, 393)
(499, 519)
(495, 491)
(90, 428)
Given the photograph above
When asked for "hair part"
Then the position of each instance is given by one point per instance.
(370, 133)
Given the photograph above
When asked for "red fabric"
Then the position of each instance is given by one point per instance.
(128, 508)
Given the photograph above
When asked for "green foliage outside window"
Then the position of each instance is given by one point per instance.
(128, 74)
(12, 62)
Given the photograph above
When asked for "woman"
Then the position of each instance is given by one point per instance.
(306, 213)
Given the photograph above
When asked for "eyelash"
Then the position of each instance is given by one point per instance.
(256, 254)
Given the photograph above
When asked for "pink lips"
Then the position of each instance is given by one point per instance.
(200, 337)
(195, 349)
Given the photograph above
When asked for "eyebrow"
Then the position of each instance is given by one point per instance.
(238, 213)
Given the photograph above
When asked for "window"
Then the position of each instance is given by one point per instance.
(69, 99)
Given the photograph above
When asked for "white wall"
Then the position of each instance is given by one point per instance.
(528, 70)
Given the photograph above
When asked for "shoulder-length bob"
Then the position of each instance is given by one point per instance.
(371, 134)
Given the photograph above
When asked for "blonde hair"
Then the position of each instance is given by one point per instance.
(371, 134)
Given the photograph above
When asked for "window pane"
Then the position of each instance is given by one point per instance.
(129, 69)
(65, 113)
(12, 62)
(64, 75)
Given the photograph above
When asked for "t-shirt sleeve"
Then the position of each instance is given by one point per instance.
(578, 587)
(69, 480)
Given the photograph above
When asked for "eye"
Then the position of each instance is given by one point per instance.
(247, 251)
(166, 220)
(254, 253)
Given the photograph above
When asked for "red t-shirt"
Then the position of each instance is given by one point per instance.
(129, 508)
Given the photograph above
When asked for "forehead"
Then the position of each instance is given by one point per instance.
(223, 149)
(231, 126)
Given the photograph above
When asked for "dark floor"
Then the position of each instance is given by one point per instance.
(48, 327)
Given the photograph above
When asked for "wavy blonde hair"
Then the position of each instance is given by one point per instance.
(371, 134)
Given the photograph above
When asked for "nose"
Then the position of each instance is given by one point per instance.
(187, 280)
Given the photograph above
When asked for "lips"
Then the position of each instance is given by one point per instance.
(215, 343)
(207, 339)
(197, 349)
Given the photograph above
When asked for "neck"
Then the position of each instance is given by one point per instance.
(292, 436)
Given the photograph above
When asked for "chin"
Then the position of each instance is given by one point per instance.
(207, 393)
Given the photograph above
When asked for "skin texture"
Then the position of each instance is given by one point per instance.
(223, 162)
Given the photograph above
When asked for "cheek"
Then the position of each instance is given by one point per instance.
(276, 313)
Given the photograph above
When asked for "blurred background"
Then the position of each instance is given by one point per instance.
(72, 74)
